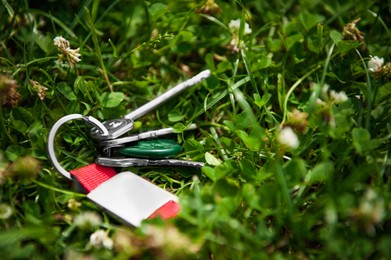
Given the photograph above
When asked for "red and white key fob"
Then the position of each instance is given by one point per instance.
(126, 195)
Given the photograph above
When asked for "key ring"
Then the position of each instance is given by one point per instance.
(52, 134)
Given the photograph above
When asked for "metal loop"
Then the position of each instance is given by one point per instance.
(52, 155)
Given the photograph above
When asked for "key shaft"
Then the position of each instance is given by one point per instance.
(151, 105)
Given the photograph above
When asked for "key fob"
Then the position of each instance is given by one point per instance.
(126, 195)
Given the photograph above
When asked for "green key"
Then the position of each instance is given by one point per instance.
(152, 149)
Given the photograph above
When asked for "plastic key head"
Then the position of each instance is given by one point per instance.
(152, 149)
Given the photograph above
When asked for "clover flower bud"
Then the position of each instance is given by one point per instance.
(87, 220)
(338, 97)
(234, 26)
(41, 90)
(24, 168)
(375, 64)
(288, 138)
(100, 239)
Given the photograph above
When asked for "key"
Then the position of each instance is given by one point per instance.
(130, 162)
(119, 142)
(118, 127)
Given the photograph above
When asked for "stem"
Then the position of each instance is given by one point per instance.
(294, 86)
(23, 66)
(94, 36)
(284, 187)
(59, 190)
(371, 96)
(4, 128)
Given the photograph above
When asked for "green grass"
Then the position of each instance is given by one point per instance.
(256, 198)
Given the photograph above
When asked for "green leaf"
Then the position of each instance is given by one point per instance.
(19, 126)
(210, 61)
(194, 149)
(158, 9)
(320, 173)
(248, 170)
(219, 172)
(264, 62)
(250, 195)
(252, 141)
(210, 172)
(66, 90)
(175, 116)
(227, 143)
(227, 187)
(261, 102)
(87, 89)
(183, 36)
(347, 46)
(362, 141)
(274, 45)
(211, 159)
(269, 195)
(291, 40)
(45, 43)
(314, 45)
(13, 152)
(309, 20)
(335, 36)
(296, 171)
(111, 99)
(24, 115)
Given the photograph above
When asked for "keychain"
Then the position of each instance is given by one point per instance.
(127, 195)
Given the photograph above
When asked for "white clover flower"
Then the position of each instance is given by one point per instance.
(100, 239)
(61, 43)
(325, 89)
(320, 102)
(72, 55)
(288, 138)
(338, 97)
(87, 220)
(375, 64)
(234, 26)
(5, 211)
(372, 206)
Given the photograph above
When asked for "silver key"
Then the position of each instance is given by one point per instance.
(129, 162)
(119, 142)
(118, 127)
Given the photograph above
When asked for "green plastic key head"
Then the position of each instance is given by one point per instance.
(152, 149)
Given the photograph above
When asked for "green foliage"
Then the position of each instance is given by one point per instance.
(304, 66)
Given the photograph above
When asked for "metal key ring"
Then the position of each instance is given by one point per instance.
(52, 134)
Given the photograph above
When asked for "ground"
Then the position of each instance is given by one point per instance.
(293, 126)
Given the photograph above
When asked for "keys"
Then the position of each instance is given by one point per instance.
(118, 127)
(111, 144)
(126, 195)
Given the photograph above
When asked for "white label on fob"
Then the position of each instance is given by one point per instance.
(130, 197)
